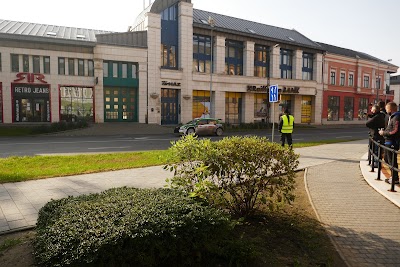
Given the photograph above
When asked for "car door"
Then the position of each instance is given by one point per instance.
(211, 125)
(201, 128)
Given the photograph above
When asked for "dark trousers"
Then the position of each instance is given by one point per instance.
(288, 137)
(391, 159)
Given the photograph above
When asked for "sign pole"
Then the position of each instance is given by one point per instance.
(273, 97)
(273, 121)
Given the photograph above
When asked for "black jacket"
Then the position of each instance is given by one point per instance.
(376, 122)
(392, 130)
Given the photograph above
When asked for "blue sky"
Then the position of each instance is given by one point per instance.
(362, 25)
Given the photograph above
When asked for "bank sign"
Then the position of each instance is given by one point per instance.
(31, 90)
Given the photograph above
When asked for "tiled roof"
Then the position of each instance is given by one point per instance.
(236, 25)
(27, 29)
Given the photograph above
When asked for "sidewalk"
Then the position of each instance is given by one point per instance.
(362, 223)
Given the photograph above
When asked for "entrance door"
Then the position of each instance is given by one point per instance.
(33, 110)
(169, 106)
(306, 110)
(120, 105)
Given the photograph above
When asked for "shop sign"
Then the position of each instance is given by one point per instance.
(31, 90)
(170, 83)
(265, 88)
(30, 77)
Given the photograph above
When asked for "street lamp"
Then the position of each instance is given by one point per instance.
(211, 22)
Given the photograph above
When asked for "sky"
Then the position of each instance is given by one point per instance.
(361, 25)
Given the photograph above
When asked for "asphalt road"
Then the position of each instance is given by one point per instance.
(44, 145)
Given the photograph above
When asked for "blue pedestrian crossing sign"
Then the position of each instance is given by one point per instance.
(273, 93)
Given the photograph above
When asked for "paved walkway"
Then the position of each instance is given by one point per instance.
(362, 222)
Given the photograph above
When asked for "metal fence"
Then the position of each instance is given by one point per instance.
(376, 150)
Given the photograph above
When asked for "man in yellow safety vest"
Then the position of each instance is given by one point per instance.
(286, 124)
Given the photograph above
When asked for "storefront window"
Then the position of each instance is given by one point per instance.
(285, 103)
(362, 109)
(333, 108)
(260, 106)
(31, 103)
(76, 103)
(348, 108)
(201, 104)
(306, 109)
(233, 108)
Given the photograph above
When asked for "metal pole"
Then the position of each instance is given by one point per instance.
(211, 71)
(273, 121)
(377, 89)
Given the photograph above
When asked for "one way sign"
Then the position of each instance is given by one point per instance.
(273, 93)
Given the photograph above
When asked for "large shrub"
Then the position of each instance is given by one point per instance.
(235, 173)
(130, 227)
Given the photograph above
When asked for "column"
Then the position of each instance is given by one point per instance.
(317, 68)
(248, 59)
(219, 55)
(297, 65)
(275, 62)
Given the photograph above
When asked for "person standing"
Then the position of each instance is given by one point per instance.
(286, 125)
(375, 123)
(392, 138)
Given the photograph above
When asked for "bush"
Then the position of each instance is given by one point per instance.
(132, 227)
(235, 173)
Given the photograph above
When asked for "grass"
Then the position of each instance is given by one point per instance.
(15, 131)
(9, 243)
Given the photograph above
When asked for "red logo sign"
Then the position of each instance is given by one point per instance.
(30, 77)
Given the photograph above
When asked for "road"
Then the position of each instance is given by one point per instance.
(47, 144)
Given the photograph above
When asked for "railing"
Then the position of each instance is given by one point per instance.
(375, 150)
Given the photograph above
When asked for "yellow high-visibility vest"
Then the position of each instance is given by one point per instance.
(287, 126)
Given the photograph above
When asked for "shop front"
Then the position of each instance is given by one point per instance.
(76, 103)
(31, 102)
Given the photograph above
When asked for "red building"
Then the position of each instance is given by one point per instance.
(351, 82)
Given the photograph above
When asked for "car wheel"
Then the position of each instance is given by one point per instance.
(190, 131)
(219, 131)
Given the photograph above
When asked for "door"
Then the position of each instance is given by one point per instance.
(33, 110)
(120, 105)
(169, 106)
(306, 110)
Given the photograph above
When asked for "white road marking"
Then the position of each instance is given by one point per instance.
(109, 147)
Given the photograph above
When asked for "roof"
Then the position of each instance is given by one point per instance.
(236, 25)
(351, 53)
(135, 39)
(37, 32)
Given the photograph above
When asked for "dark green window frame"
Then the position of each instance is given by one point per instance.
(36, 64)
(71, 66)
(46, 65)
(14, 63)
(81, 67)
(25, 63)
(61, 65)
(91, 68)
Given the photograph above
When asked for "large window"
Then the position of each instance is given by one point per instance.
(168, 56)
(105, 69)
(351, 79)
(76, 103)
(201, 103)
(333, 108)
(348, 108)
(308, 66)
(260, 106)
(119, 70)
(14, 63)
(362, 108)
(36, 64)
(342, 78)
(91, 68)
(366, 81)
(286, 64)
(233, 57)
(61, 66)
(71, 66)
(333, 77)
(261, 61)
(169, 37)
(46, 65)
(201, 53)
(233, 108)
(81, 67)
(378, 82)
(25, 63)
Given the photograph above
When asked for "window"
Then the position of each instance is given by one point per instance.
(25, 63)
(342, 78)
(168, 56)
(201, 53)
(81, 67)
(201, 103)
(378, 82)
(333, 108)
(286, 64)
(333, 77)
(71, 66)
(61, 66)
(233, 57)
(115, 70)
(362, 109)
(91, 68)
(169, 14)
(14, 63)
(105, 69)
(124, 70)
(233, 108)
(366, 81)
(261, 61)
(46, 65)
(134, 71)
(308, 66)
(348, 108)
(260, 106)
(0, 63)
(36, 64)
(76, 103)
(351, 80)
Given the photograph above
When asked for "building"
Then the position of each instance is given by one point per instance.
(352, 81)
(174, 64)
(395, 87)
